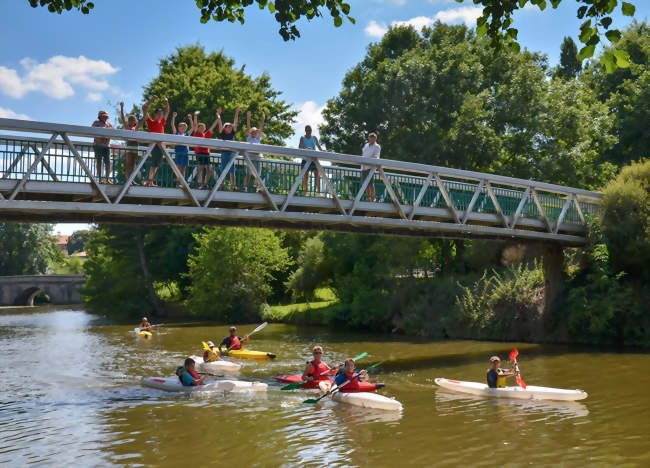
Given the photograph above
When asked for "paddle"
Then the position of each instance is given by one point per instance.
(293, 386)
(207, 348)
(335, 389)
(513, 357)
(259, 328)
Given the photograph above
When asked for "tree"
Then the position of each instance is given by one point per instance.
(570, 65)
(77, 241)
(311, 272)
(496, 22)
(285, 12)
(230, 272)
(28, 249)
(193, 80)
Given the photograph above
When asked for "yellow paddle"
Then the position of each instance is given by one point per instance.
(207, 348)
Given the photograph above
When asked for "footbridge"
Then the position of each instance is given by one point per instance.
(47, 174)
(21, 290)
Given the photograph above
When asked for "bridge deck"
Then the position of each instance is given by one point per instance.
(51, 179)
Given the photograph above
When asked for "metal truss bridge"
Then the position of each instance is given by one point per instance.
(47, 174)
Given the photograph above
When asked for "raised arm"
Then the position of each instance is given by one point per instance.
(214, 124)
(145, 108)
(219, 123)
(122, 114)
(174, 114)
(234, 122)
(166, 107)
(248, 122)
(262, 122)
(191, 124)
(195, 123)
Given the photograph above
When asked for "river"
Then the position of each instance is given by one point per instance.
(71, 395)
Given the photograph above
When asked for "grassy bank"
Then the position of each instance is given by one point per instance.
(316, 312)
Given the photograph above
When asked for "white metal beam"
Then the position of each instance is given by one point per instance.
(81, 163)
(362, 190)
(391, 193)
(37, 160)
(328, 183)
(136, 170)
(520, 208)
(445, 195)
(222, 177)
(418, 200)
(472, 202)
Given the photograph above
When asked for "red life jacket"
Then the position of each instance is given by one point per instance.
(195, 375)
(353, 385)
(235, 343)
(318, 369)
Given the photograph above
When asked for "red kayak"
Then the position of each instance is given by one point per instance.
(363, 386)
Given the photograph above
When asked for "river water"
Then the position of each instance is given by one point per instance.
(71, 396)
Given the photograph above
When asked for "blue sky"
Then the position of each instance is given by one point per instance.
(63, 68)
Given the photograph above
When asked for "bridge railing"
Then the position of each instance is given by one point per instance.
(412, 191)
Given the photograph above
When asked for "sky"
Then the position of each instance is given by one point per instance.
(64, 68)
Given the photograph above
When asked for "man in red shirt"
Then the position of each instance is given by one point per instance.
(155, 125)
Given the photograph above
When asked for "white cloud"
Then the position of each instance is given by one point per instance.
(467, 15)
(9, 114)
(94, 97)
(375, 29)
(57, 77)
(309, 113)
(418, 22)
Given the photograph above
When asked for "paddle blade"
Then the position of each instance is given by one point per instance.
(376, 365)
(205, 346)
(261, 327)
(292, 386)
(312, 400)
(362, 355)
(521, 382)
(513, 355)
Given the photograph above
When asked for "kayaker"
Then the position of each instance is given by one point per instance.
(212, 354)
(496, 377)
(190, 377)
(233, 341)
(315, 368)
(145, 325)
(348, 374)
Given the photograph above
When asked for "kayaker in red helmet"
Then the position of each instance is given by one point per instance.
(233, 341)
(315, 368)
(145, 325)
(348, 374)
(496, 377)
(190, 377)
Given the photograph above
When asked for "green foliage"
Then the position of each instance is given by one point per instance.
(440, 98)
(77, 241)
(497, 21)
(285, 12)
(570, 65)
(28, 249)
(231, 270)
(311, 272)
(193, 80)
(71, 266)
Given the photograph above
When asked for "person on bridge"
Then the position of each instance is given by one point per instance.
(101, 148)
(202, 154)
(253, 135)
(316, 370)
(496, 377)
(145, 325)
(370, 150)
(130, 123)
(227, 132)
(309, 141)
(233, 341)
(155, 125)
(181, 151)
(352, 378)
(188, 376)
(212, 354)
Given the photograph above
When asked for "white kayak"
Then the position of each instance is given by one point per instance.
(363, 399)
(531, 392)
(173, 384)
(215, 367)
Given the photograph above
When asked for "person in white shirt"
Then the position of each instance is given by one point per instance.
(370, 150)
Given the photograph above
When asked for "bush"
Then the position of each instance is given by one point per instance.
(311, 272)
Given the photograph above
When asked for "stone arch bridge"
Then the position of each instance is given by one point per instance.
(21, 290)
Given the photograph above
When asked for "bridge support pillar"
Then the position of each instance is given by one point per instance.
(552, 259)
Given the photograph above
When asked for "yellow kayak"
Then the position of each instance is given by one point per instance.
(144, 333)
(248, 354)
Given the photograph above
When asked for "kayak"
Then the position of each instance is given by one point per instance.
(173, 384)
(363, 386)
(248, 354)
(215, 367)
(531, 392)
(143, 333)
(363, 399)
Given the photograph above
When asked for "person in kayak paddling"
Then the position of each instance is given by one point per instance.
(189, 377)
(212, 354)
(315, 368)
(145, 325)
(496, 377)
(233, 341)
(348, 374)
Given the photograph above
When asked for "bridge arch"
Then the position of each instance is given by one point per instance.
(22, 290)
(27, 297)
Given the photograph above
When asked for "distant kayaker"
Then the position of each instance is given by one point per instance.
(145, 325)
(316, 370)
(212, 354)
(496, 377)
(233, 341)
(189, 377)
(348, 374)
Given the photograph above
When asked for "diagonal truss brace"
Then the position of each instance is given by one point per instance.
(179, 176)
(445, 195)
(496, 204)
(418, 200)
(222, 177)
(134, 173)
(296, 184)
(81, 162)
(362, 190)
(542, 213)
(391, 192)
(520, 208)
(328, 183)
(260, 183)
(19, 186)
(470, 207)
(580, 212)
(563, 213)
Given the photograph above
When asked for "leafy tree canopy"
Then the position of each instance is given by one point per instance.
(27, 249)
(570, 65)
(285, 12)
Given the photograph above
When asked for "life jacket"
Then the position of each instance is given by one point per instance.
(235, 343)
(209, 356)
(353, 384)
(501, 381)
(195, 375)
(318, 369)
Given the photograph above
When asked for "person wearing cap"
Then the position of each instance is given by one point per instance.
(370, 150)
(496, 377)
(212, 354)
(233, 341)
(253, 135)
(101, 148)
(316, 370)
(145, 325)
(227, 132)
(309, 141)
(155, 125)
